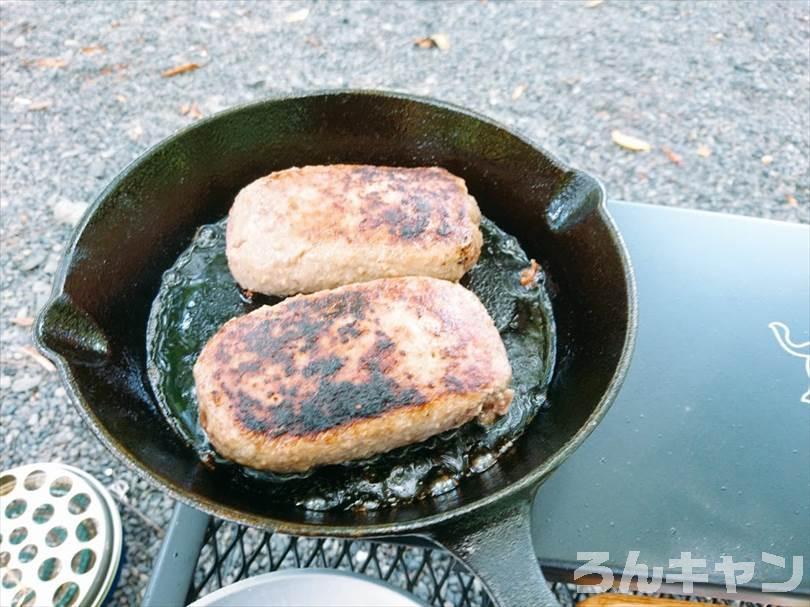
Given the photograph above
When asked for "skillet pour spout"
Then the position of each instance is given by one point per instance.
(94, 327)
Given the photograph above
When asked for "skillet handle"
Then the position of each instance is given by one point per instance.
(497, 546)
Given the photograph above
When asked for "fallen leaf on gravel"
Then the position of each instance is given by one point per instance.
(38, 106)
(93, 50)
(593, 3)
(111, 69)
(439, 41)
(297, 16)
(791, 200)
(767, 159)
(23, 321)
(38, 358)
(313, 41)
(191, 110)
(673, 157)
(179, 69)
(518, 92)
(704, 151)
(628, 142)
(50, 62)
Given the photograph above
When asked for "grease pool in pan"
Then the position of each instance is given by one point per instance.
(198, 294)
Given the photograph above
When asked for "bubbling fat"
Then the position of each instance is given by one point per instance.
(198, 295)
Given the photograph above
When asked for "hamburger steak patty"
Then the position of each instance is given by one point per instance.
(351, 372)
(318, 227)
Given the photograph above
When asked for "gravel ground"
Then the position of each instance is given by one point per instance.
(724, 87)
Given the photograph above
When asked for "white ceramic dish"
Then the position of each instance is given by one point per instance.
(309, 588)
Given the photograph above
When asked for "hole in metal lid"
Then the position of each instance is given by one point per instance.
(61, 486)
(49, 569)
(25, 597)
(66, 595)
(86, 530)
(78, 503)
(35, 480)
(56, 536)
(7, 483)
(43, 513)
(18, 535)
(83, 561)
(28, 553)
(16, 508)
(12, 578)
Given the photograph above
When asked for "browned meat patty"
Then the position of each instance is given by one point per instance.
(343, 374)
(319, 227)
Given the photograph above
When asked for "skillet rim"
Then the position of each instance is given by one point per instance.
(419, 525)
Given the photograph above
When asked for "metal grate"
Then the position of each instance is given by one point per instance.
(233, 552)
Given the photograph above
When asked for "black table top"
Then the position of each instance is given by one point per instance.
(707, 448)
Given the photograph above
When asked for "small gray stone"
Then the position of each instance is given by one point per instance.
(65, 211)
(52, 264)
(25, 383)
(10, 436)
(32, 261)
(98, 169)
(41, 286)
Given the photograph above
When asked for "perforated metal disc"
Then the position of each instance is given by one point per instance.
(60, 538)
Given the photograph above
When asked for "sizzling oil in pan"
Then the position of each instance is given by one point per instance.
(198, 294)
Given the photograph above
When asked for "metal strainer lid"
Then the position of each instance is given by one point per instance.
(60, 538)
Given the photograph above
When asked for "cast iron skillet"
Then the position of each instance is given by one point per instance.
(94, 326)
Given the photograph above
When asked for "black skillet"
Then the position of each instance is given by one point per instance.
(94, 326)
